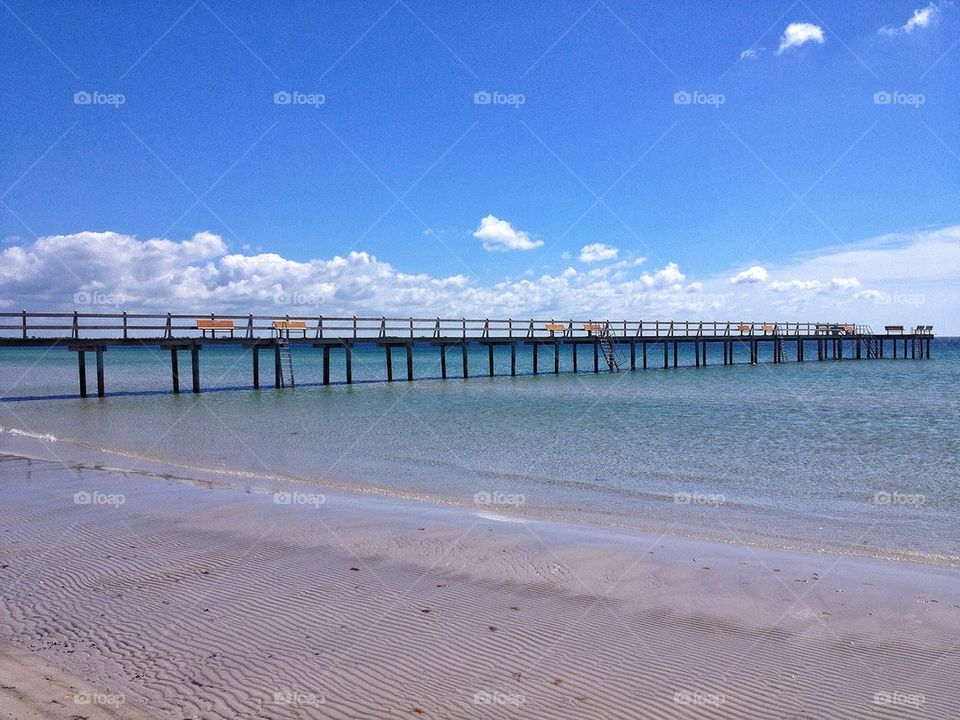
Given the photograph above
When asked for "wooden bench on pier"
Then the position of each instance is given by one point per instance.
(746, 329)
(205, 325)
(893, 329)
(281, 327)
(555, 328)
(592, 327)
(769, 329)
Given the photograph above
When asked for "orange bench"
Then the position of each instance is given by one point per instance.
(555, 328)
(285, 326)
(205, 325)
(746, 329)
(767, 328)
(591, 327)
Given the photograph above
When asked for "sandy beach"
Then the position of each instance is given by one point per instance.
(168, 597)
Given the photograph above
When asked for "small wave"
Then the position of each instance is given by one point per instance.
(47, 437)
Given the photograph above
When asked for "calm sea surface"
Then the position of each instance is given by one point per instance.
(844, 456)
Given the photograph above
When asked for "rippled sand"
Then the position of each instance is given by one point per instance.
(200, 600)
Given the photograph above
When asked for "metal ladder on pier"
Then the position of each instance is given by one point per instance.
(610, 349)
(780, 349)
(286, 364)
(871, 340)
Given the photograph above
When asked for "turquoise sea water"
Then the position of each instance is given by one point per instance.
(843, 456)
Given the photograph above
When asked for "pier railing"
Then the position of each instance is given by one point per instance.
(126, 325)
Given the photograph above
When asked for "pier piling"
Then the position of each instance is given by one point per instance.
(195, 365)
(175, 370)
(82, 366)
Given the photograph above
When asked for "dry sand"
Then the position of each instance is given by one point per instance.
(210, 600)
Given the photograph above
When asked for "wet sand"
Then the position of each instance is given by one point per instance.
(220, 600)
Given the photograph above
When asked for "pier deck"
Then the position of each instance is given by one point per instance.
(616, 344)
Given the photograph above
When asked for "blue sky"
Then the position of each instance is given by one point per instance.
(784, 153)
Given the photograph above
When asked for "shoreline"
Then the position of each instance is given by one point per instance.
(207, 600)
(22, 444)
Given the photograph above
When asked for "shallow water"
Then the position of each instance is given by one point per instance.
(844, 456)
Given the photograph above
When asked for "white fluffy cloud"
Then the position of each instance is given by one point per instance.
(921, 18)
(596, 252)
(847, 283)
(500, 236)
(798, 34)
(755, 274)
(785, 285)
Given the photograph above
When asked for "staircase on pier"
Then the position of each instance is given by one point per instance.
(286, 364)
(609, 348)
(871, 340)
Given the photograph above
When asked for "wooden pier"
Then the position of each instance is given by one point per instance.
(615, 345)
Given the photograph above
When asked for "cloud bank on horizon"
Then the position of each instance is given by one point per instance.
(906, 278)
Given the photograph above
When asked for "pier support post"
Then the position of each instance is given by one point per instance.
(536, 358)
(703, 352)
(195, 365)
(666, 354)
(326, 364)
(466, 369)
(443, 361)
(409, 362)
(175, 369)
(644, 356)
(277, 368)
(513, 359)
(675, 350)
(858, 349)
(99, 354)
(82, 367)
(596, 356)
(389, 353)
(348, 361)
(696, 353)
(633, 356)
(490, 358)
(574, 355)
(894, 348)
(556, 357)
(913, 349)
